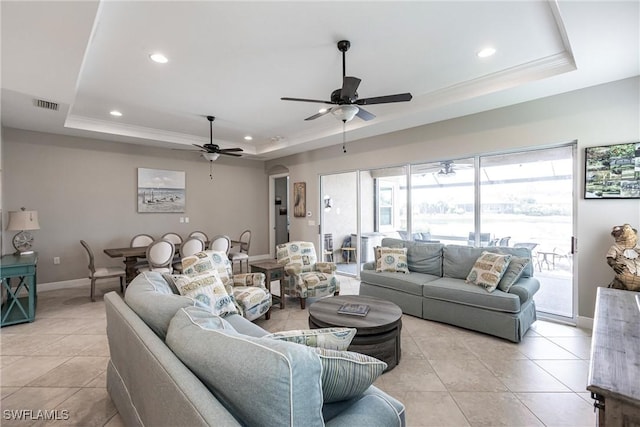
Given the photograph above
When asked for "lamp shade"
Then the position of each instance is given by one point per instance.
(23, 220)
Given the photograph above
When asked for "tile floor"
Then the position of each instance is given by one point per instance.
(447, 376)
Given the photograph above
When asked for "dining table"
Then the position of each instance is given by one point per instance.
(131, 255)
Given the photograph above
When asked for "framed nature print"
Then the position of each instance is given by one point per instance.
(612, 171)
(161, 191)
(300, 199)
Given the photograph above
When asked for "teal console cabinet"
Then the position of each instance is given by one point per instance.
(18, 273)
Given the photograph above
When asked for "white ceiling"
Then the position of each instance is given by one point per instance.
(234, 60)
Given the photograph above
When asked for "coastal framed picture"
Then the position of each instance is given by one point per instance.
(300, 199)
(161, 191)
(612, 171)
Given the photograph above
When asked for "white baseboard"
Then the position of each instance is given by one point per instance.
(67, 284)
(584, 322)
(85, 282)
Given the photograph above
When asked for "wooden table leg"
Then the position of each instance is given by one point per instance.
(130, 267)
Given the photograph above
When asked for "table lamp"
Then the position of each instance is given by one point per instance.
(23, 220)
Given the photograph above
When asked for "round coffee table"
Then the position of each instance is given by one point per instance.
(378, 332)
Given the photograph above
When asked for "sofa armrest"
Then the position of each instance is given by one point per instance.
(369, 265)
(249, 279)
(525, 288)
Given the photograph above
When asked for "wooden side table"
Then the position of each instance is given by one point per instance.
(273, 271)
(18, 274)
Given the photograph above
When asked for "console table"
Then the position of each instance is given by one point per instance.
(18, 274)
(614, 369)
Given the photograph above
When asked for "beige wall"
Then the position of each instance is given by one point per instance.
(605, 114)
(86, 189)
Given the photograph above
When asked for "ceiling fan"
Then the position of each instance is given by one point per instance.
(345, 99)
(212, 151)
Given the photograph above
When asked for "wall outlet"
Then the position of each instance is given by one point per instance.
(181, 220)
(56, 260)
(186, 219)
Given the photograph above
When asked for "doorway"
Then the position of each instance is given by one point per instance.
(279, 211)
(339, 221)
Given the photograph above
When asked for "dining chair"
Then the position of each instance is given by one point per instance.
(173, 238)
(139, 241)
(189, 247)
(220, 242)
(200, 235)
(97, 273)
(240, 253)
(160, 256)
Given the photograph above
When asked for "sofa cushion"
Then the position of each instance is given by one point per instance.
(488, 270)
(208, 289)
(459, 259)
(229, 364)
(152, 298)
(514, 271)
(421, 257)
(456, 290)
(331, 338)
(408, 283)
(392, 260)
(346, 374)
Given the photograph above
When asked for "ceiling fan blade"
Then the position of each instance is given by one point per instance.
(200, 147)
(230, 154)
(401, 97)
(365, 115)
(307, 100)
(228, 150)
(315, 116)
(349, 87)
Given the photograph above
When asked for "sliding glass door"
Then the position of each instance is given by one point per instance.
(521, 199)
(527, 200)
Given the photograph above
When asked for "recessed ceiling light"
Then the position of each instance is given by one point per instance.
(248, 138)
(159, 58)
(115, 113)
(486, 52)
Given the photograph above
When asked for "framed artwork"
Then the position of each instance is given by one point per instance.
(300, 199)
(161, 191)
(612, 171)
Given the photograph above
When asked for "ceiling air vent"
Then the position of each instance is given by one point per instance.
(47, 105)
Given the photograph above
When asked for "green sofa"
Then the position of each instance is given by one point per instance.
(169, 367)
(435, 289)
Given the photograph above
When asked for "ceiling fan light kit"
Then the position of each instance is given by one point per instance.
(212, 157)
(345, 113)
(346, 97)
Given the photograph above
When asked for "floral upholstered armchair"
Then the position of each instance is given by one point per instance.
(304, 275)
(252, 298)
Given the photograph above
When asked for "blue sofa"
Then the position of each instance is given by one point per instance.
(168, 367)
(435, 289)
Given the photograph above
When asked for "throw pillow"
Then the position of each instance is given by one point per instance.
(346, 374)
(204, 261)
(514, 271)
(208, 290)
(393, 260)
(330, 338)
(488, 270)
